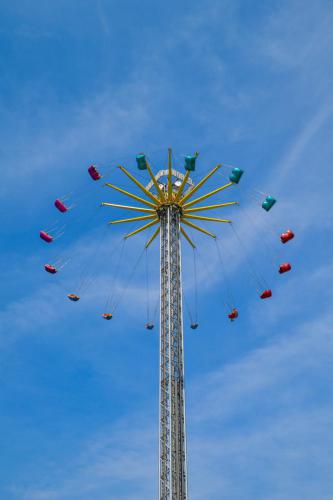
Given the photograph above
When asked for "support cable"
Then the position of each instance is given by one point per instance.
(87, 268)
(188, 309)
(259, 281)
(147, 286)
(129, 280)
(111, 298)
(269, 248)
(195, 286)
(230, 301)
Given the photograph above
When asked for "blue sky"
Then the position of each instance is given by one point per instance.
(247, 84)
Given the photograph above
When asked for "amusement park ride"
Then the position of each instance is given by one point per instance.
(169, 206)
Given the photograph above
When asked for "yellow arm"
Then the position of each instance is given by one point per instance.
(146, 226)
(153, 178)
(132, 219)
(137, 209)
(205, 196)
(138, 183)
(137, 198)
(198, 186)
(181, 187)
(186, 236)
(201, 217)
(210, 207)
(194, 226)
(153, 237)
(169, 174)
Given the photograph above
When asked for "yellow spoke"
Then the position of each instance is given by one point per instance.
(132, 219)
(138, 183)
(142, 228)
(210, 207)
(127, 207)
(153, 237)
(169, 174)
(181, 187)
(205, 196)
(198, 186)
(153, 178)
(137, 198)
(186, 236)
(201, 217)
(198, 228)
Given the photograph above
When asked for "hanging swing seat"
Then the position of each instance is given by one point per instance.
(46, 236)
(233, 315)
(93, 172)
(268, 203)
(60, 205)
(287, 236)
(284, 268)
(141, 161)
(194, 326)
(107, 316)
(149, 326)
(50, 269)
(235, 175)
(190, 162)
(266, 294)
(73, 297)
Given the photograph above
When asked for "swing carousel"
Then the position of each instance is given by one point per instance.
(166, 207)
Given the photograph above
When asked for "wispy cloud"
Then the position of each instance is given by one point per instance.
(118, 463)
(236, 428)
(293, 157)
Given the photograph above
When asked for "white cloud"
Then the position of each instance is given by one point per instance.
(118, 463)
(292, 159)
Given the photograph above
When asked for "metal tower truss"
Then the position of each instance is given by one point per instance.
(173, 470)
(168, 207)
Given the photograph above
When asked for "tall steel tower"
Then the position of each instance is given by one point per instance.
(173, 471)
(166, 205)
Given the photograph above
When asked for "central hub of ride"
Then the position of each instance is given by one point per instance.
(169, 206)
